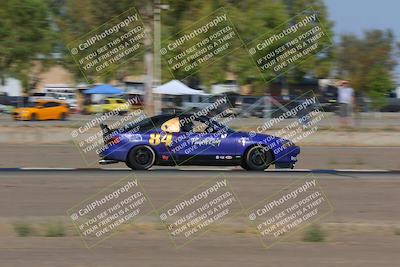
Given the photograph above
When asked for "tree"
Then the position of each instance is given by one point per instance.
(378, 84)
(75, 18)
(368, 62)
(320, 64)
(261, 17)
(251, 18)
(26, 35)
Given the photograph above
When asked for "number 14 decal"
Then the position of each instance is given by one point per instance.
(156, 139)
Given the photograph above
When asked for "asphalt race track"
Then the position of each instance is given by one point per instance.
(365, 211)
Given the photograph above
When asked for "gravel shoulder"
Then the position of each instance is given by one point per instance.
(360, 228)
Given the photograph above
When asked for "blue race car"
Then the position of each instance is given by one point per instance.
(171, 140)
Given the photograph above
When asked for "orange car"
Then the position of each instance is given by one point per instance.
(42, 110)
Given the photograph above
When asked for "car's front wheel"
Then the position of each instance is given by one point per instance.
(257, 158)
(140, 158)
(63, 116)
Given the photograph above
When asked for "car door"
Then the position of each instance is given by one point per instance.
(51, 109)
(122, 105)
(200, 142)
(166, 139)
(172, 142)
(45, 111)
(97, 107)
(107, 106)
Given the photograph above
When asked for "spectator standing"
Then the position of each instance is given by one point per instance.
(346, 102)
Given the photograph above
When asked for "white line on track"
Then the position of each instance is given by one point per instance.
(202, 169)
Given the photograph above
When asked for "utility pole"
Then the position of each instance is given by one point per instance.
(157, 56)
(148, 62)
(152, 58)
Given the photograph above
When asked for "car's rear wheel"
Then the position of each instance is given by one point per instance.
(33, 117)
(257, 158)
(141, 158)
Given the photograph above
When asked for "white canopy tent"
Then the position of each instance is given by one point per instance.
(176, 87)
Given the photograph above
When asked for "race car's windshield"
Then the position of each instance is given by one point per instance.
(144, 125)
(222, 126)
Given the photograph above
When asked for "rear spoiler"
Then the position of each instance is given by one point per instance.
(106, 132)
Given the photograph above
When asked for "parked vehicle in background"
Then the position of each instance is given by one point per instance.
(393, 103)
(266, 106)
(9, 103)
(250, 106)
(62, 92)
(135, 101)
(192, 103)
(42, 110)
(40, 96)
(328, 99)
(171, 104)
(4, 109)
(5, 104)
(109, 104)
(229, 86)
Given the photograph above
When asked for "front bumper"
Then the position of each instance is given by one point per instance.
(285, 165)
(288, 158)
(107, 161)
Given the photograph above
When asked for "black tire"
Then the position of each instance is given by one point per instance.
(257, 158)
(33, 117)
(244, 165)
(63, 116)
(140, 158)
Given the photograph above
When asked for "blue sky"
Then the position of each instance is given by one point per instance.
(356, 16)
